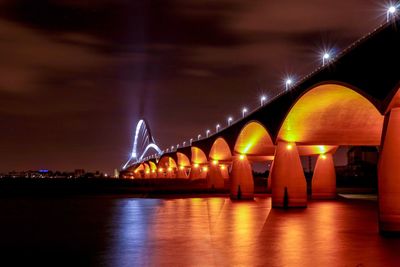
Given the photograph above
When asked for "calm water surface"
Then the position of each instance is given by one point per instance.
(211, 231)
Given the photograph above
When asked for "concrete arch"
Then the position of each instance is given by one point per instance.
(153, 166)
(254, 140)
(182, 159)
(332, 114)
(198, 156)
(167, 162)
(220, 150)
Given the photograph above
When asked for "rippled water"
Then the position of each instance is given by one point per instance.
(211, 231)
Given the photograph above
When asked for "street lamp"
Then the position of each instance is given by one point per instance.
(391, 12)
(184, 143)
(207, 132)
(325, 57)
(191, 141)
(288, 82)
(262, 99)
(230, 119)
(198, 137)
(244, 110)
(217, 128)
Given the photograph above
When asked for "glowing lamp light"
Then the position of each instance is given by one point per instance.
(391, 12)
(230, 119)
(325, 57)
(244, 111)
(181, 168)
(153, 171)
(323, 156)
(160, 169)
(135, 171)
(196, 165)
(289, 147)
(215, 162)
(198, 137)
(207, 132)
(222, 167)
(147, 172)
(288, 82)
(217, 127)
(205, 169)
(241, 157)
(262, 99)
(169, 169)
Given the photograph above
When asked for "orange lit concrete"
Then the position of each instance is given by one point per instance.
(220, 151)
(198, 156)
(195, 172)
(182, 172)
(324, 178)
(269, 180)
(153, 169)
(183, 160)
(242, 185)
(288, 176)
(214, 177)
(333, 115)
(224, 171)
(389, 175)
(254, 140)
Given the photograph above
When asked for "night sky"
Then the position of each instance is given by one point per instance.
(76, 75)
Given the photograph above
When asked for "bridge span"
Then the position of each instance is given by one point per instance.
(354, 100)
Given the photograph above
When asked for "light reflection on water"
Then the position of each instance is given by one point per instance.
(219, 232)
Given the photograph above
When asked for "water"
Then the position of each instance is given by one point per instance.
(121, 231)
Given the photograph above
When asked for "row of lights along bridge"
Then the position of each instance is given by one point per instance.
(326, 57)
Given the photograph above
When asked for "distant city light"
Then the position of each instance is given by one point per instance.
(244, 110)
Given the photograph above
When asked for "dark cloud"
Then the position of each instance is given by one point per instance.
(77, 75)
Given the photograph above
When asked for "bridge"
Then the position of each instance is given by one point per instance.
(354, 100)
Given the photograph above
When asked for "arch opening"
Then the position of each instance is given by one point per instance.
(332, 114)
(220, 150)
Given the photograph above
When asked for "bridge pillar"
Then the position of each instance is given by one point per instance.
(214, 177)
(324, 178)
(269, 179)
(288, 181)
(224, 171)
(195, 172)
(171, 173)
(182, 173)
(153, 174)
(242, 184)
(389, 174)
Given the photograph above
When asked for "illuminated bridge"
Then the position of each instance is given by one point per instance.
(354, 100)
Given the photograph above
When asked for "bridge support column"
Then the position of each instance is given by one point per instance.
(288, 181)
(324, 178)
(182, 173)
(389, 174)
(269, 179)
(153, 174)
(195, 172)
(214, 177)
(242, 184)
(171, 173)
(224, 171)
